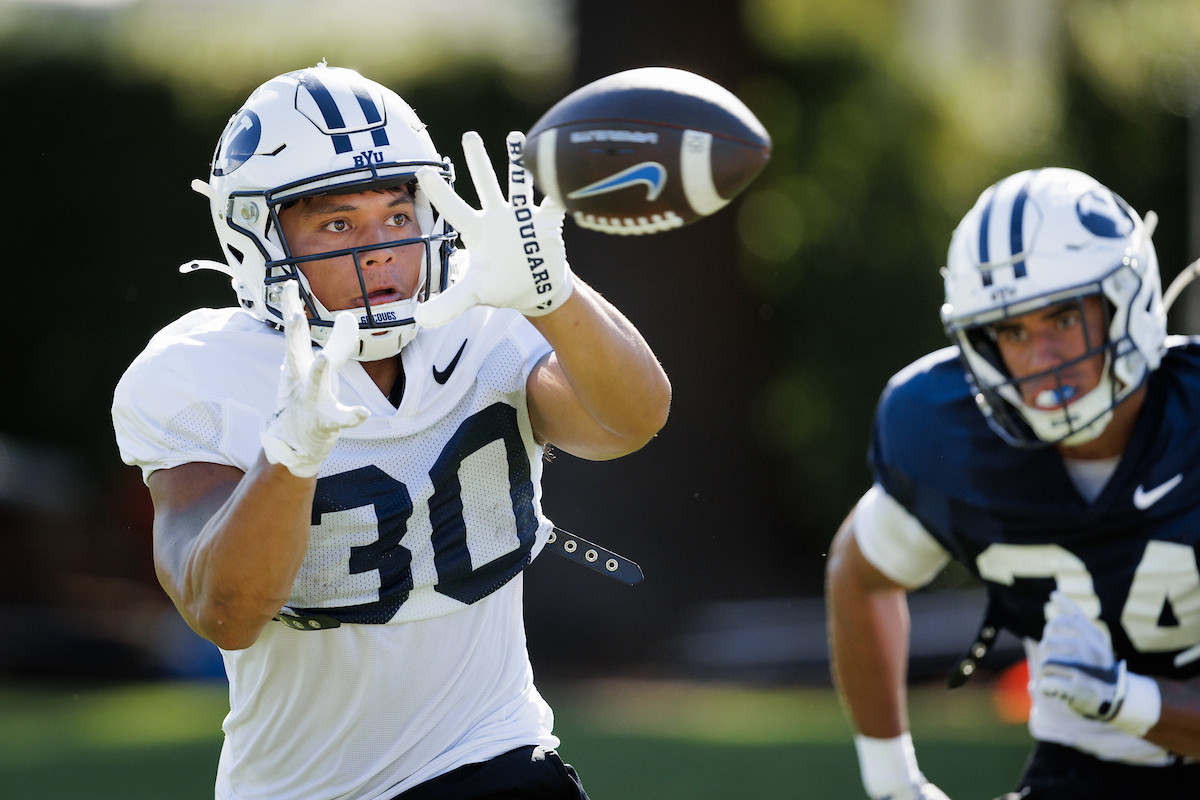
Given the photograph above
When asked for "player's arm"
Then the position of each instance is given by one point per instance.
(868, 627)
(601, 393)
(1178, 725)
(228, 544)
(868, 638)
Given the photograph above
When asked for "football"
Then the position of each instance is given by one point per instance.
(646, 150)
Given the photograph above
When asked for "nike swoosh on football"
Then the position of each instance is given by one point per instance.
(651, 173)
(1144, 499)
(441, 376)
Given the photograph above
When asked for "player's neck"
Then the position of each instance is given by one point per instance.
(384, 372)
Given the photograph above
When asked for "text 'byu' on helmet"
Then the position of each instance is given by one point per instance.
(1041, 238)
(322, 130)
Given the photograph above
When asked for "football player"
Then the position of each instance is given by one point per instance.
(1054, 451)
(351, 528)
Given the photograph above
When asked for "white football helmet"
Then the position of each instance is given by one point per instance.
(322, 130)
(1040, 238)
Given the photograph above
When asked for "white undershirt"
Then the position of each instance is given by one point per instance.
(1090, 475)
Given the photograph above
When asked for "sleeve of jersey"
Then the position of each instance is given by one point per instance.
(161, 420)
(533, 345)
(895, 542)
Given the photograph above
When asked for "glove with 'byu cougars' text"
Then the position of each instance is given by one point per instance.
(517, 255)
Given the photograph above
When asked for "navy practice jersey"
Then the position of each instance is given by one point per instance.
(1014, 518)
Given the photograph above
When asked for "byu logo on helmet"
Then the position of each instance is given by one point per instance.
(239, 142)
(1103, 214)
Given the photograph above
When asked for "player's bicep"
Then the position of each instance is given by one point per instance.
(559, 418)
(185, 499)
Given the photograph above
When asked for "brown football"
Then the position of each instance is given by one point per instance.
(646, 150)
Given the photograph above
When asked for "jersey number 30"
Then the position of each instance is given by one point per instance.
(457, 577)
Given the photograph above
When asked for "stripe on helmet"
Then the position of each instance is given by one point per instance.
(373, 115)
(984, 253)
(329, 110)
(369, 109)
(1016, 228)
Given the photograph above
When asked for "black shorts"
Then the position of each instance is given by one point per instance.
(527, 773)
(1063, 773)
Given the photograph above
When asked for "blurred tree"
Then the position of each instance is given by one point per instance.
(696, 507)
(101, 167)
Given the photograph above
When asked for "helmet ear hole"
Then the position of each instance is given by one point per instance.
(235, 254)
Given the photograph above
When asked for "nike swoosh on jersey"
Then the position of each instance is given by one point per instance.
(1144, 499)
(651, 173)
(441, 376)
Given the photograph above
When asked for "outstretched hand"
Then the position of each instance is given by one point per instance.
(517, 258)
(309, 416)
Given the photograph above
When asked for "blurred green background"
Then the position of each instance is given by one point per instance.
(629, 740)
(778, 319)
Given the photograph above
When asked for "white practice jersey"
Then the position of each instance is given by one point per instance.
(424, 518)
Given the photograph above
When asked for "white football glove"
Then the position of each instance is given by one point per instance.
(517, 258)
(1077, 666)
(309, 416)
(1077, 663)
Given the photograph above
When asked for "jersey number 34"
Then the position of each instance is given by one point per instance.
(1165, 576)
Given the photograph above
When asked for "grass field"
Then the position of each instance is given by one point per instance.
(629, 741)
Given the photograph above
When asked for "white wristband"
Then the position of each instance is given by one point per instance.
(1142, 706)
(887, 764)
